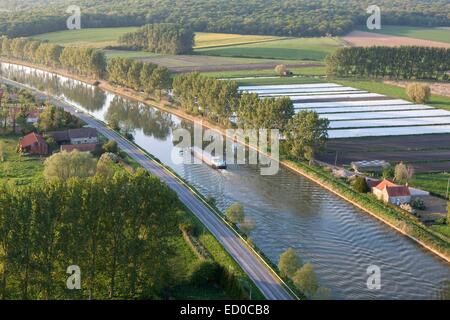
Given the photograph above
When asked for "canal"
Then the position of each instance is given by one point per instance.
(289, 211)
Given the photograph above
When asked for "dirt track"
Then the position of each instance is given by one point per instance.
(368, 39)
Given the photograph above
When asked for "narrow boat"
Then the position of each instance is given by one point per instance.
(213, 161)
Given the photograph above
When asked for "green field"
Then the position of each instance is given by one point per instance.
(393, 91)
(220, 49)
(433, 182)
(102, 37)
(433, 34)
(293, 49)
(15, 168)
(98, 37)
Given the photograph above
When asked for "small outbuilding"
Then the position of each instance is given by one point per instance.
(370, 166)
(33, 144)
(79, 147)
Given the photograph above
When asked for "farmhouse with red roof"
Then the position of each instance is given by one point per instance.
(33, 144)
(392, 193)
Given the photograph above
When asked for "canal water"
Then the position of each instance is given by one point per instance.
(290, 211)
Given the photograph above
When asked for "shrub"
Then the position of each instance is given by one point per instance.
(282, 70)
(211, 200)
(289, 263)
(418, 93)
(360, 185)
(204, 273)
(388, 172)
(305, 280)
(235, 213)
(111, 146)
(418, 204)
(190, 228)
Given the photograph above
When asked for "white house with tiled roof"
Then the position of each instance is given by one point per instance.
(392, 193)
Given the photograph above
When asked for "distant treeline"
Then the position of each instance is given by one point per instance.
(386, 62)
(220, 100)
(165, 38)
(139, 75)
(303, 18)
(118, 231)
(83, 61)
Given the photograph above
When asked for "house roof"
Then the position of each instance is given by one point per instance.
(78, 147)
(385, 183)
(82, 133)
(372, 183)
(73, 134)
(59, 135)
(398, 191)
(30, 139)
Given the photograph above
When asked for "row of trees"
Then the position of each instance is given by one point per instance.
(270, 113)
(397, 62)
(116, 230)
(201, 95)
(302, 18)
(220, 100)
(306, 133)
(160, 38)
(84, 61)
(31, 50)
(139, 75)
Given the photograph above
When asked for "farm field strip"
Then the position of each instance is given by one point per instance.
(353, 104)
(311, 93)
(367, 114)
(393, 131)
(426, 152)
(432, 34)
(369, 109)
(304, 90)
(286, 49)
(388, 115)
(382, 123)
(338, 96)
(256, 89)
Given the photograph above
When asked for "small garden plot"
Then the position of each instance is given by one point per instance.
(388, 115)
(352, 103)
(394, 131)
(368, 109)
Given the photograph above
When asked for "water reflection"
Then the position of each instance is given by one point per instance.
(134, 115)
(91, 97)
